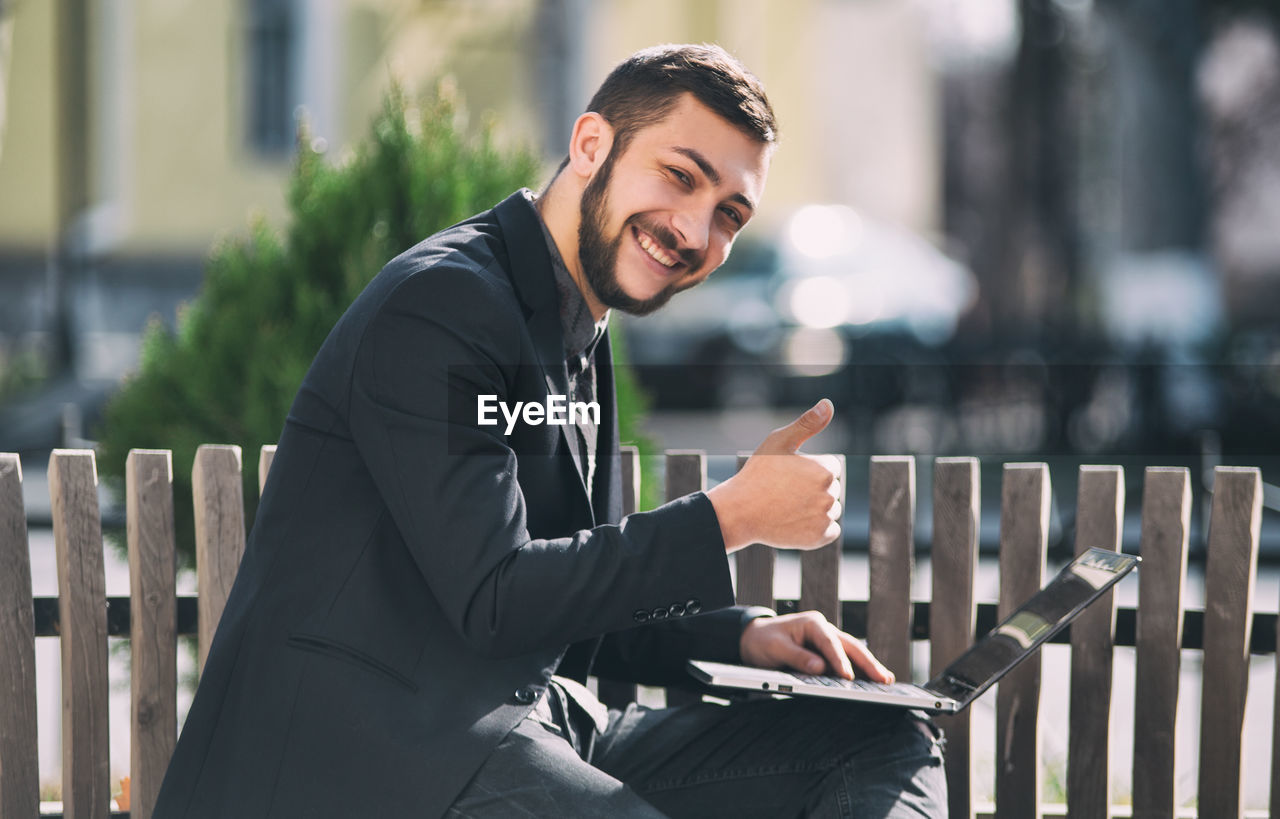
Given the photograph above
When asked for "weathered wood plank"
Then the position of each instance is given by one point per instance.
(956, 510)
(1166, 519)
(82, 606)
(891, 560)
(153, 623)
(630, 464)
(820, 569)
(265, 456)
(1099, 524)
(1230, 568)
(755, 568)
(616, 693)
(220, 536)
(1024, 529)
(1275, 736)
(19, 777)
(686, 472)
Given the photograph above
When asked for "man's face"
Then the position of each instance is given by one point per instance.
(659, 217)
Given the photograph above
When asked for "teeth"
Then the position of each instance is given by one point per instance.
(656, 252)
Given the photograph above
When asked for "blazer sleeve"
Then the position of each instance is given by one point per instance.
(656, 654)
(451, 486)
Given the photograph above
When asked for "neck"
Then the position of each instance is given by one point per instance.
(560, 209)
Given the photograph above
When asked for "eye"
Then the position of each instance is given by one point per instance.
(733, 215)
(681, 177)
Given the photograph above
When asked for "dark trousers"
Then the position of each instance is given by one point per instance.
(758, 758)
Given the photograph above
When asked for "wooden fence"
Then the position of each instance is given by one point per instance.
(1227, 630)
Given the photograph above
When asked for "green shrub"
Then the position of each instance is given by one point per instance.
(20, 371)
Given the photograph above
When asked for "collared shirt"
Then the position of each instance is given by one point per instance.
(567, 707)
(581, 335)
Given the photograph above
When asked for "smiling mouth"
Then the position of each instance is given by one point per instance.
(655, 250)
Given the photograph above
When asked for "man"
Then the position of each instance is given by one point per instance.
(430, 580)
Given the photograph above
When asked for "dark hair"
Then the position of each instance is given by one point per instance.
(644, 88)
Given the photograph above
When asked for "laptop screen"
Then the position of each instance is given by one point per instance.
(1035, 621)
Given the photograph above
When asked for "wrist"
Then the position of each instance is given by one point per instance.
(734, 529)
(746, 654)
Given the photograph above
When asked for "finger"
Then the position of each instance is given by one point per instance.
(830, 463)
(835, 510)
(826, 639)
(788, 439)
(864, 660)
(799, 658)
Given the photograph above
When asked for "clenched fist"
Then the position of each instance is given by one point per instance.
(781, 497)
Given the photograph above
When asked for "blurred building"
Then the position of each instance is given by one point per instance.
(139, 133)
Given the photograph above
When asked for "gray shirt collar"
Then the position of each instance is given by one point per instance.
(579, 331)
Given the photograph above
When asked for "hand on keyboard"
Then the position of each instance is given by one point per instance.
(808, 643)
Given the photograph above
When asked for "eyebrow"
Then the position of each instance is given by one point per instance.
(712, 174)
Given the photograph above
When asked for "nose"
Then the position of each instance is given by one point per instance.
(694, 228)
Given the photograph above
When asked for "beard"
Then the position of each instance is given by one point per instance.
(598, 255)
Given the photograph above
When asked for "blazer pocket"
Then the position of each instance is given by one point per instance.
(341, 651)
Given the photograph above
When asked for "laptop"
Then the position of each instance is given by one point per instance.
(1019, 636)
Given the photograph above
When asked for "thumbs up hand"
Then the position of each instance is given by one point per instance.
(781, 497)
(786, 440)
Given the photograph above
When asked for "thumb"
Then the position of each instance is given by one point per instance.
(786, 440)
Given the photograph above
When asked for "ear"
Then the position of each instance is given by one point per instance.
(590, 143)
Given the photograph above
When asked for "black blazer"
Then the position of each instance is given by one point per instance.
(413, 578)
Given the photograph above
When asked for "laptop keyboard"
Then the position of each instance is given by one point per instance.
(839, 682)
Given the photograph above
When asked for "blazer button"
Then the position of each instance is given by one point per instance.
(659, 613)
(693, 606)
(526, 695)
(676, 610)
(641, 615)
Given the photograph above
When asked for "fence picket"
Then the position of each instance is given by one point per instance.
(19, 777)
(630, 460)
(218, 492)
(1166, 519)
(82, 612)
(1230, 568)
(153, 623)
(1024, 525)
(265, 456)
(1275, 738)
(1099, 524)
(953, 613)
(891, 560)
